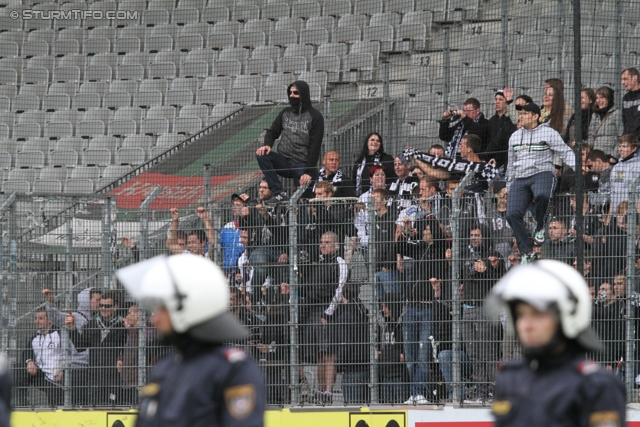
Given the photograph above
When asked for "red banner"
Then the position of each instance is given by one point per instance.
(178, 191)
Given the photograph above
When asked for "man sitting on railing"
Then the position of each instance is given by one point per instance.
(300, 129)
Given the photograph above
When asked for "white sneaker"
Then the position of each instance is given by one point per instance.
(410, 401)
(421, 400)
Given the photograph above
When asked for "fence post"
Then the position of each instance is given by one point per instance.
(206, 177)
(455, 282)
(629, 362)
(505, 43)
(618, 54)
(144, 222)
(293, 295)
(373, 313)
(109, 235)
(386, 102)
(68, 262)
(4, 263)
(327, 138)
(447, 65)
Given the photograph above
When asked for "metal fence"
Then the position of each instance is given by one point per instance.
(349, 301)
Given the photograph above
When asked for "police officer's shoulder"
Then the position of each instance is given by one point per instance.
(234, 354)
(512, 366)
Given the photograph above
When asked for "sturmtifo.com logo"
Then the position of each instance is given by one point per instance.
(29, 14)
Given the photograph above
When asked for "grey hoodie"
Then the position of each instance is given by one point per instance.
(300, 128)
(82, 315)
(531, 152)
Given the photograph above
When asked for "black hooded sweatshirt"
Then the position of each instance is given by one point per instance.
(300, 128)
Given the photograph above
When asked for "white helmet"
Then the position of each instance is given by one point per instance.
(193, 290)
(543, 284)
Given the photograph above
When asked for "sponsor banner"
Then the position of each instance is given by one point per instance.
(178, 191)
(296, 417)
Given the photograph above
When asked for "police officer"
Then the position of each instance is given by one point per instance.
(5, 392)
(549, 305)
(205, 383)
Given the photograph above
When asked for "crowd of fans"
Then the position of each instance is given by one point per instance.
(390, 220)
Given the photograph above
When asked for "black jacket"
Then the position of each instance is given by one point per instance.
(631, 112)
(105, 352)
(351, 334)
(500, 130)
(300, 131)
(205, 385)
(561, 391)
(480, 128)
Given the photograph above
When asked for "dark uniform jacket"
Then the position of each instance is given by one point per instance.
(562, 391)
(204, 385)
(5, 393)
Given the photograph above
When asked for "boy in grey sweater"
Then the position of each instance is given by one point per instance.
(530, 175)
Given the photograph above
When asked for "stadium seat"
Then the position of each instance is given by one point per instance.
(130, 156)
(348, 35)
(243, 12)
(30, 159)
(155, 17)
(71, 143)
(211, 96)
(251, 39)
(314, 36)
(47, 186)
(292, 64)
(147, 99)
(261, 66)
(274, 94)
(283, 38)
(65, 158)
(306, 10)
(53, 173)
(79, 186)
(276, 11)
(96, 157)
(369, 7)
(213, 14)
(384, 34)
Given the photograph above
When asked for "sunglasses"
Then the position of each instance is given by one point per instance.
(106, 305)
(294, 92)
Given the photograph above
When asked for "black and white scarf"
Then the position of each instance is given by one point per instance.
(376, 161)
(322, 176)
(486, 170)
(453, 148)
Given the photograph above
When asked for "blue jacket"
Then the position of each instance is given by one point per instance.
(231, 246)
(204, 385)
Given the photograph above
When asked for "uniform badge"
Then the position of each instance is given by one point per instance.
(240, 400)
(150, 389)
(604, 419)
(501, 407)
